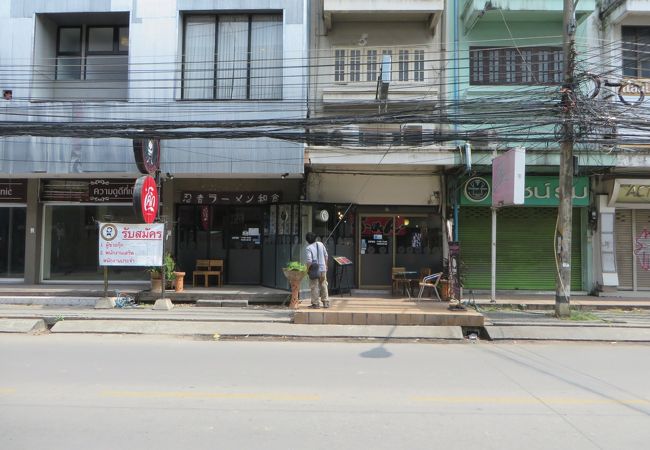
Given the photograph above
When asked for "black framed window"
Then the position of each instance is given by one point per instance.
(107, 50)
(232, 57)
(524, 65)
(68, 53)
(101, 53)
(636, 51)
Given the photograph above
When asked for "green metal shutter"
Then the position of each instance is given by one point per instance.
(525, 248)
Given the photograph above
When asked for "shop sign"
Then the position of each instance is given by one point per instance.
(539, 191)
(633, 192)
(230, 198)
(124, 244)
(147, 155)
(13, 191)
(145, 198)
(101, 191)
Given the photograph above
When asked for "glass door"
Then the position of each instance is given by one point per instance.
(12, 242)
(244, 264)
(376, 248)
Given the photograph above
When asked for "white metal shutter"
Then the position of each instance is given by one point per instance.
(642, 248)
(624, 248)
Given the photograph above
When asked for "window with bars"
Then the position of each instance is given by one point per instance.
(636, 51)
(232, 57)
(363, 65)
(527, 65)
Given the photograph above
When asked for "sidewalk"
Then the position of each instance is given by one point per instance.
(612, 320)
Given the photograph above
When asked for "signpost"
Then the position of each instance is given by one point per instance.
(508, 188)
(129, 245)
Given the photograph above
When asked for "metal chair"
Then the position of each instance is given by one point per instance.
(430, 281)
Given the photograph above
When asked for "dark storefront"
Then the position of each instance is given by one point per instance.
(13, 199)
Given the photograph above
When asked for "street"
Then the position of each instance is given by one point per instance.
(124, 392)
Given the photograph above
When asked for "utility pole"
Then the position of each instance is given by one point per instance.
(565, 209)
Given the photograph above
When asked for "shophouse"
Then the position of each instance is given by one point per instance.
(374, 188)
(151, 60)
(622, 255)
(506, 71)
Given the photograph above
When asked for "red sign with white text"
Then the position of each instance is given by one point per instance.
(145, 198)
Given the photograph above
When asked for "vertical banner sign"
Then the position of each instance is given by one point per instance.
(125, 244)
(147, 155)
(454, 269)
(205, 218)
(145, 198)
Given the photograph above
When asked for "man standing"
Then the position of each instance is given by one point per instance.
(317, 256)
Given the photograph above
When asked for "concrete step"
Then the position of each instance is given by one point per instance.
(231, 303)
(22, 325)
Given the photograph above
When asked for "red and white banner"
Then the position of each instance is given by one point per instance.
(126, 244)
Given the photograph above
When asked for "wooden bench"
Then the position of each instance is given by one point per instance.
(206, 268)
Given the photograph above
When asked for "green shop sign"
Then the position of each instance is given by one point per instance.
(540, 191)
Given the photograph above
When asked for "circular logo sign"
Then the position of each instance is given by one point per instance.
(145, 198)
(477, 189)
(147, 155)
(108, 232)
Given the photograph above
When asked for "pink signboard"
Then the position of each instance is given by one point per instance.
(508, 178)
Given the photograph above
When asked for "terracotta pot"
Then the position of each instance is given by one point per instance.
(294, 277)
(156, 283)
(445, 290)
(179, 284)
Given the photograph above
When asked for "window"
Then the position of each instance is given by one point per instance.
(339, 65)
(529, 65)
(355, 65)
(102, 55)
(371, 65)
(68, 55)
(403, 65)
(636, 52)
(418, 65)
(233, 57)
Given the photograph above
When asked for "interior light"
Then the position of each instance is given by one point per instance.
(406, 222)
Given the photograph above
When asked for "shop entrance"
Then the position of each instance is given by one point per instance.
(231, 233)
(12, 242)
(411, 241)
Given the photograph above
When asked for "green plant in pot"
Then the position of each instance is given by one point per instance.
(295, 271)
(156, 274)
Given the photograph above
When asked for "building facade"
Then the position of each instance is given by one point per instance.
(146, 61)
(379, 181)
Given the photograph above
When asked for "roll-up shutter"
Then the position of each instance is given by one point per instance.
(525, 248)
(624, 249)
(642, 248)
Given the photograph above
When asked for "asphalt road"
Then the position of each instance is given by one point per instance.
(122, 392)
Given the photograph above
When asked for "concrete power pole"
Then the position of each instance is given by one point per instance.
(565, 210)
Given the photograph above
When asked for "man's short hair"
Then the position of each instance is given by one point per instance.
(310, 238)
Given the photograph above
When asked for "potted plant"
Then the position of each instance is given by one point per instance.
(156, 275)
(295, 271)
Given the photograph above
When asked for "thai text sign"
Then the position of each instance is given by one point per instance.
(539, 191)
(110, 190)
(230, 198)
(126, 244)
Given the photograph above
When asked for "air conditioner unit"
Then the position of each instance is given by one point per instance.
(483, 140)
(412, 135)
